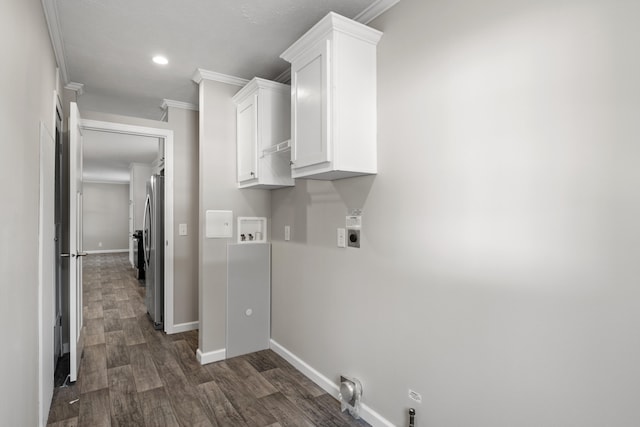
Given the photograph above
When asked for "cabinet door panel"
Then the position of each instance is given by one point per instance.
(311, 90)
(247, 139)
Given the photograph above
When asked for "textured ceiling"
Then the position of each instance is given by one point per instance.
(108, 45)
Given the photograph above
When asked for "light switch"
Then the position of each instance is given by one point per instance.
(182, 229)
(342, 238)
(287, 232)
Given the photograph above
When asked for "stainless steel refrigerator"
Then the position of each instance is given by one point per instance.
(153, 242)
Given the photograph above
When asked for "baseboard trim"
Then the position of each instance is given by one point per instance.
(108, 251)
(211, 356)
(366, 413)
(183, 327)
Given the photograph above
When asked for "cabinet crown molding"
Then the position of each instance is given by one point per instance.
(258, 83)
(78, 88)
(166, 103)
(202, 74)
(332, 22)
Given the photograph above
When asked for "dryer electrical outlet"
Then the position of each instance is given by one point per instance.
(353, 238)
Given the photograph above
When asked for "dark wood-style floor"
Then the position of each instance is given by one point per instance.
(133, 375)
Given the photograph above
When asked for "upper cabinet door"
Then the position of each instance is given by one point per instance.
(247, 139)
(333, 77)
(310, 109)
(263, 115)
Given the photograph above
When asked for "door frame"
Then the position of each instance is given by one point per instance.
(167, 135)
(45, 332)
(46, 278)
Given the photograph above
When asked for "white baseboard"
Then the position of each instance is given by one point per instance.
(182, 327)
(366, 413)
(107, 251)
(211, 356)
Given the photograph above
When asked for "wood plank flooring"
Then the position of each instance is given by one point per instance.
(133, 375)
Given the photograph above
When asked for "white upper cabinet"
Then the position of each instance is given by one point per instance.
(263, 110)
(333, 96)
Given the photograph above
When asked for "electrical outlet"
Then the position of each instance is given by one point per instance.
(287, 233)
(415, 396)
(353, 238)
(182, 229)
(99, 244)
(342, 238)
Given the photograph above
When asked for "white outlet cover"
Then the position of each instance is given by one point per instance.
(287, 233)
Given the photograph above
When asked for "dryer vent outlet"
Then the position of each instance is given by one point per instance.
(350, 395)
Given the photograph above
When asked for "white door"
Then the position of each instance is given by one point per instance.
(247, 137)
(311, 97)
(75, 241)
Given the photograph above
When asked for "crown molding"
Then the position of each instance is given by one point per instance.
(202, 74)
(331, 23)
(78, 88)
(284, 77)
(376, 9)
(55, 33)
(258, 83)
(178, 104)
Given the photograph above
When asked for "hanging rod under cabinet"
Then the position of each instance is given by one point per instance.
(278, 148)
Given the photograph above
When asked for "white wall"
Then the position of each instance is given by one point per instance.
(498, 274)
(27, 82)
(185, 200)
(218, 190)
(105, 221)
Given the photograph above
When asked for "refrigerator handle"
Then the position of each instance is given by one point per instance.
(146, 236)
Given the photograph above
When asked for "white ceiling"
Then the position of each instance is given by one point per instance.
(107, 45)
(107, 155)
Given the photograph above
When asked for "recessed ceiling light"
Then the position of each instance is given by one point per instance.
(159, 59)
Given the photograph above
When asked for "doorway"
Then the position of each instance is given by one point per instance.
(163, 164)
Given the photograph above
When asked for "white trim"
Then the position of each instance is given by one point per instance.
(55, 33)
(167, 134)
(178, 104)
(107, 251)
(45, 332)
(78, 88)
(185, 327)
(376, 9)
(257, 83)
(46, 352)
(211, 356)
(285, 76)
(366, 413)
(330, 24)
(202, 74)
(98, 181)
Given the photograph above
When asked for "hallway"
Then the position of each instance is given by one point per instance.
(133, 375)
